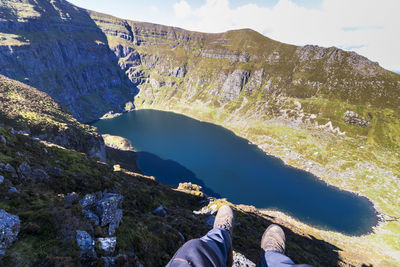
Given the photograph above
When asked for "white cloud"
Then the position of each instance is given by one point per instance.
(370, 28)
(182, 10)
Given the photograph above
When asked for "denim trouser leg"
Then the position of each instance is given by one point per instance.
(275, 259)
(220, 241)
(210, 250)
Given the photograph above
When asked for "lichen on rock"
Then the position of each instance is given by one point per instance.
(9, 229)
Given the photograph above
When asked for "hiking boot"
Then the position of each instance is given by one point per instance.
(224, 218)
(273, 239)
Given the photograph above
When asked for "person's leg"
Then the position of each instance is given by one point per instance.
(275, 259)
(220, 240)
(273, 244)
(213, 249)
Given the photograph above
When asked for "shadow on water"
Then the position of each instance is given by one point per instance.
(169, 171)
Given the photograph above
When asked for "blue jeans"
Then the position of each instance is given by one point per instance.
(273, 258)
(210, 250)
(215, 249)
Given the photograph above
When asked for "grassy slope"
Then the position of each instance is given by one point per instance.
(26, 108)
(365, 160)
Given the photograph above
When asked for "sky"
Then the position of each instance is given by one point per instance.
(368, 27)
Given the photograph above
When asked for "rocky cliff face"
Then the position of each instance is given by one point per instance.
(225, 65)
(57, 48)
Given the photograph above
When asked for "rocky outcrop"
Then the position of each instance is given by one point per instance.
(103, 209)
(9, 229)
(234, 84)
(234, 56)
(352, 117)
(109, 212)
(190, 188)
(255, 81)
(179, 72)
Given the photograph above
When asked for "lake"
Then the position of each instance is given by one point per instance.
(175, 148)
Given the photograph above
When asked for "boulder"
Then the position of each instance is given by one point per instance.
(108, 210)
(40, 174)
(1, 179)
(88, 200)
(10, 169)
(91, 216)
(107, 244)
(86, 245)
(115, 222)
(13, 190)
(3, 140)
(9, 229)
(24, 170)
(352, 117)
(160, 211)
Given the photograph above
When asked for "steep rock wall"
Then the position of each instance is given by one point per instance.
(57, 48)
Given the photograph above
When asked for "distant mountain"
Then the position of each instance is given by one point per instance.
(244, 73)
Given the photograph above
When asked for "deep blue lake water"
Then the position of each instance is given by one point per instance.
(175, 148)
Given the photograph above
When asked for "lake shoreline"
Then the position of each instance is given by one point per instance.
(374, 218)
(378, 212)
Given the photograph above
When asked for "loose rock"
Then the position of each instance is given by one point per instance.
(40, 174)
(13, 190)
(160, 211)
(115, 222)
(10, 169)
(239, 260)
(86, 244)
(107, 244)
(1, 179)
(3, 140)
(9, 229)
(92, 217)
(109, 212)
(24, 170)
(88, 200)
(352, 117)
